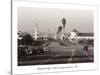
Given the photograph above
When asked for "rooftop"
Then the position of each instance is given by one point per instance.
(86, 34)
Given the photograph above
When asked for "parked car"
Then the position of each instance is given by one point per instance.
(41, 46)
(38, 47)
(46, 48)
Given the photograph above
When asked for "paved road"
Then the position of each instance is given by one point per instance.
(60, 55)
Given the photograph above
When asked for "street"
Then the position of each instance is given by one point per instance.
(59, 55)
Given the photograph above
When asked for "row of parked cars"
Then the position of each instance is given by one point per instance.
(38, 47)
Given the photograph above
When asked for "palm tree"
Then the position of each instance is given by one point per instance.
(59, 29)
(63, 31)
(63, 22)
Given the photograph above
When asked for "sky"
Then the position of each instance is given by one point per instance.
(50, 18)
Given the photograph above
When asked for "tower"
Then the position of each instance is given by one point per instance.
(36, 32)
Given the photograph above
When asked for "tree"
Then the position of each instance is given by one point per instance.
(63, 22)
(26, 39)
(75, 30)
(59, 29)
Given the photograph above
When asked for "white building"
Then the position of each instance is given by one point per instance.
(74, 36)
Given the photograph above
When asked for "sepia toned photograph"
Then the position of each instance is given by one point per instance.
(54, 36)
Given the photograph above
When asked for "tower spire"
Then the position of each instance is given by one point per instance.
(36, 31)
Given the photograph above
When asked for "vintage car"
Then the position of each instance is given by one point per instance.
(41, 46)
(38, 47)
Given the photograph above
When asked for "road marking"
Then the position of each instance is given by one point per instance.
(50, 59)
(53, 57)
(87, 55)
(70, 59)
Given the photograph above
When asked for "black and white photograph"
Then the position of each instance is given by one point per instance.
(54, 36)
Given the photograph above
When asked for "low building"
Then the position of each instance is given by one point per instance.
(75, 37)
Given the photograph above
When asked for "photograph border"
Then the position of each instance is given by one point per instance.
(18, 70)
